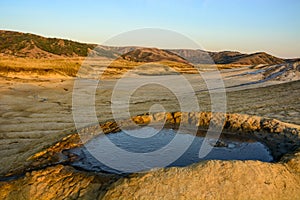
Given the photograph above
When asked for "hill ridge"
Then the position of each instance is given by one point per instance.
(20, 44)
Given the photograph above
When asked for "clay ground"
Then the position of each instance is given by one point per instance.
(36, 113)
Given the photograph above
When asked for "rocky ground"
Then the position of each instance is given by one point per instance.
(37, 113)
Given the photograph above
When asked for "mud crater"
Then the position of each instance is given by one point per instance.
(228, 147)
(244, 137)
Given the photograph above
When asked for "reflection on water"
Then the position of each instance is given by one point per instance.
(224, 150)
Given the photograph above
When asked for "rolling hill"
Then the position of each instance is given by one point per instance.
(34, 46)
(227, 57)
(245, 59)
(30, 45)
(152, 55)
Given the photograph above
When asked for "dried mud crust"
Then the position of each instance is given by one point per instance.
(57, 182)
(280, 137)
(36, 114)
(204, 180)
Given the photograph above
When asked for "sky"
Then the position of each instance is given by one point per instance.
(247, 26)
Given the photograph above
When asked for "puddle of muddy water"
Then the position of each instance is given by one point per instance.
(226, 149)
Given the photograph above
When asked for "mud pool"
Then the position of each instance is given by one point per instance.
(153, 147)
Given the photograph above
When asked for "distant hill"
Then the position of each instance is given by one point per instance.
(246, 59)
(194, 56)
(227, 57)
(152, 55)
(30, 45)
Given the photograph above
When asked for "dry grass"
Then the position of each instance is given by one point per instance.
(25, 66)
(118, 67)
(17, 66)
(204, 67)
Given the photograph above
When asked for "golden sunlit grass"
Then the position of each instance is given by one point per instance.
(42, 66)
(119, 67)
(17, 66)
(204, 67)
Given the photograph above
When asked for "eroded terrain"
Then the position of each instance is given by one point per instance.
(37, 113)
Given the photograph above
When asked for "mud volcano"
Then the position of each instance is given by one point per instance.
(228, 147)
(254, 158)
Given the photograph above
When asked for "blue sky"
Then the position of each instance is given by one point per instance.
(247, 26)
